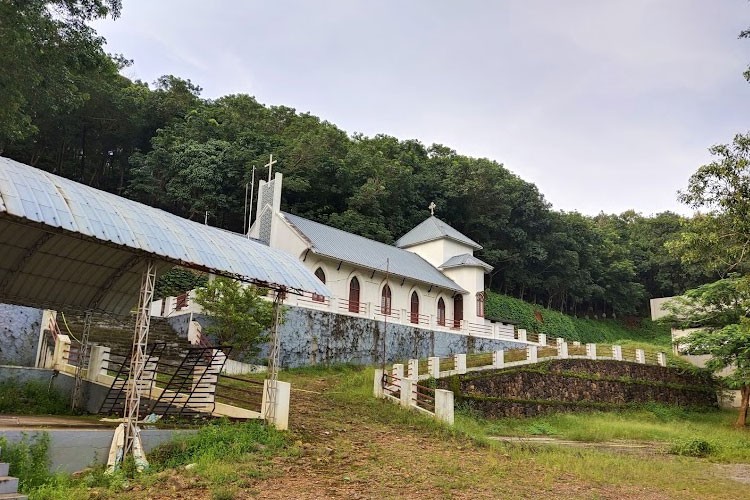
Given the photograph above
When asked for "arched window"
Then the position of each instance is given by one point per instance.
(385, 301)
(354, 295)
(441, 312)
(458, 310)
(321, 275)
(480, 304)
(414, 316)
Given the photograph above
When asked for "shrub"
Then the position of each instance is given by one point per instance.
(28, 460)
(32, 398)
(692, 448)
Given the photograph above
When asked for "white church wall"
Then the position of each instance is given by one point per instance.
(285, 238)
(470, 279)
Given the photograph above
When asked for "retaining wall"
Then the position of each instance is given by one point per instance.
(310, 337)
(577, 384)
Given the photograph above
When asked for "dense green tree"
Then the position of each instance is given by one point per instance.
(239, 314)
(721, 313)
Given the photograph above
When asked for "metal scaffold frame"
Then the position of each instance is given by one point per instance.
(83, 362)
(138, 360)
(273, 358)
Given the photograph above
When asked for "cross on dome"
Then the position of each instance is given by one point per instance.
(432, 208)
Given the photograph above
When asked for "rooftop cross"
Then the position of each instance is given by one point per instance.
(270, 164)
(432, 208)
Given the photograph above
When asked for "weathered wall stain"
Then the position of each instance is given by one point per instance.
(19, 334)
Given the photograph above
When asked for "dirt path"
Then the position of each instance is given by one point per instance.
(627, 447)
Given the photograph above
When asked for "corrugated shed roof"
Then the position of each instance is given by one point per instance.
(363, 252)
(434, 229)
(465, 259)
(67, 245)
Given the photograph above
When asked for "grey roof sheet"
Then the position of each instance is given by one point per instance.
(434, 229)
(370, 254)
(64, 244)
(465, 259)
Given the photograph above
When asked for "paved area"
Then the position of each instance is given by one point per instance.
(31, 422)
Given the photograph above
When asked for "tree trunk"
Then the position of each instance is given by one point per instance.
(742, 417)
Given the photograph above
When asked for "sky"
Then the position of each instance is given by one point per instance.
(605, 106)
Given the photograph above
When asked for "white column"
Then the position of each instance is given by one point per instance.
(640, 356)
(661, 359)
(398, 370)
(98, 362)
(444, 406)
(617, 352)
(543, 339)
(562, 349)
(591, 351)
(531, 354)
(433, 366)
(413, 369)
(281, 403)
(377, 385)
(170, 304)
(62, 348)
(522, 335)
(459, 363)
(407, 386)
(498, 359)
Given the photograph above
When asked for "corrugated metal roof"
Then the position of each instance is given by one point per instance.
(434, 229)
(363, 252)
(64, 244)
(465, 259)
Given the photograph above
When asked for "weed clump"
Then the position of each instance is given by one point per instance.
(692, 448)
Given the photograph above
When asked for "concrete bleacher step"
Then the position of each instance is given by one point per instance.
(8, 485)
(117, 334)
(4, 468)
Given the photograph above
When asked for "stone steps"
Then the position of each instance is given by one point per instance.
(117, 334)
(9, 485)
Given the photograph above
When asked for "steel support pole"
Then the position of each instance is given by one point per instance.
(83, 362)
(273, 358)
(136, 386)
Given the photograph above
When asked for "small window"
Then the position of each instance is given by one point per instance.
(414, 316)
(321, 275)
(385, 301)
(480, 304)
(441, 312)
(354, 295)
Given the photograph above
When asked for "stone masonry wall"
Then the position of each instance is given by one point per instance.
(309, 337)
(19, 334)
(574, 384)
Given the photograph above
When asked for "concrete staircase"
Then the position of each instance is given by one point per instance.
(9, 485)
(117, 334)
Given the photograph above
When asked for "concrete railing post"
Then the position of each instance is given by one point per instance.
(170, 305)
(377, 384)
(498, 359)
(62, 349)
(281, 407)
(640, 356)
(591, 351)
(444, 406)
(98, 362)
(398, 370)
(433, 366)
(617, 352)
(543, 339)
(531, 354)
(459, 363)
(661, 359)
(562, 349)
(522, 335)
(407, 387)
(413, 369)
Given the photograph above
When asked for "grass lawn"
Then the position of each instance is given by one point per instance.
(343, 443)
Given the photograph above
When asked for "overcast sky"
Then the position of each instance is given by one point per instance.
(604, 105)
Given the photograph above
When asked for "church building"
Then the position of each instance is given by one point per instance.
(429, 279)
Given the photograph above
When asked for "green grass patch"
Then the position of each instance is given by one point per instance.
(32, 398)
(556, 324)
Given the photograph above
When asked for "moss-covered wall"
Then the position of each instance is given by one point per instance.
(577, 384)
